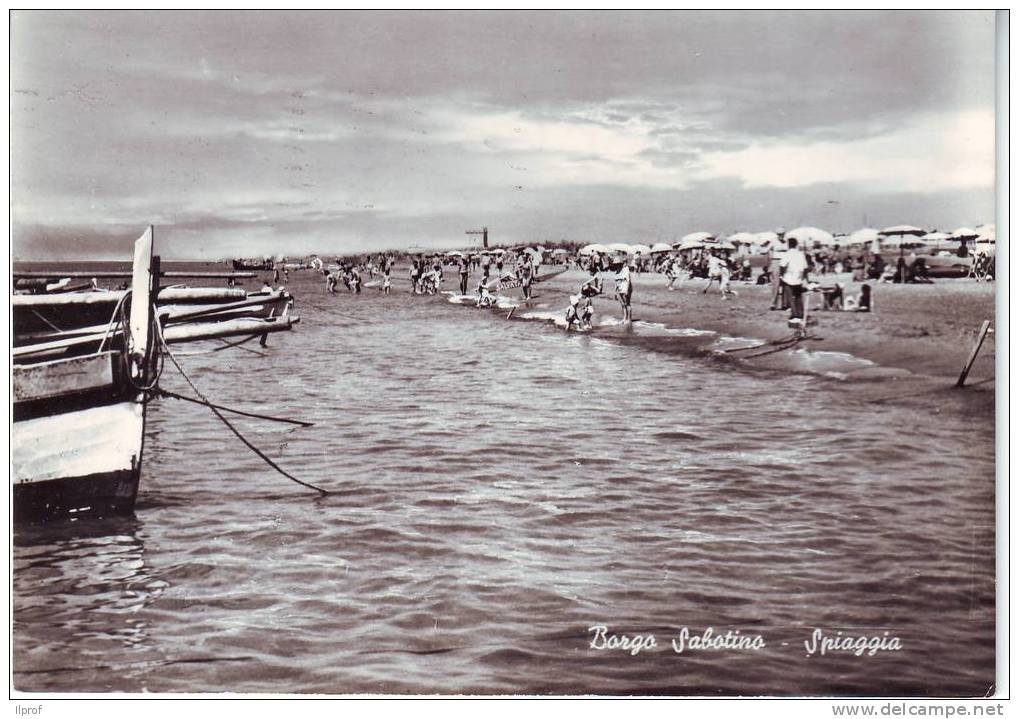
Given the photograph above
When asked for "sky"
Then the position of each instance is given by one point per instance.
(239, 134)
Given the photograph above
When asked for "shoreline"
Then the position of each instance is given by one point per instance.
(911, 348)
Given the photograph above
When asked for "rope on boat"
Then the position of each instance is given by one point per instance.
(174, 395)
(230, 426)
(226, 345)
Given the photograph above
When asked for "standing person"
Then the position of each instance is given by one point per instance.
(714, 270)
(464, 272)
(776, 254)
(526, 277)
(386, 282)
(794, 276)
(624, 290)
(415, 274)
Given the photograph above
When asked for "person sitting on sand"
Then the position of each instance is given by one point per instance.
(624, 291)
(834, 296)
(860, 303)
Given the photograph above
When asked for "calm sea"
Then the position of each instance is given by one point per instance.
(498, 488)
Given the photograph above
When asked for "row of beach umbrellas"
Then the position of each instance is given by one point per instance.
(894, 236)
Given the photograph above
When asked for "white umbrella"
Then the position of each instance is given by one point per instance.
(454, 253)
(986, 231)
(863, 236)
(690, 245)
(902, 230)
(661, 247)
(559, 251)
(640, 249)
(965, 233)
(765, 238)
(809, 235)
(592, 249)
(744, 238)
(718, 244)
(620, 247)
(696, 237)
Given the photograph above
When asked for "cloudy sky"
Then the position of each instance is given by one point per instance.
(240, 134)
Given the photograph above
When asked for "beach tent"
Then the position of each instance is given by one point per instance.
(696, 237)
(593, 249)
(640, 250)
(661, 247)
(809, 236)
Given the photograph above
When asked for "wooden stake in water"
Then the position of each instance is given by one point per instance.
(973, 355)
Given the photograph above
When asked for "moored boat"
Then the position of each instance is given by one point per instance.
(86, 364)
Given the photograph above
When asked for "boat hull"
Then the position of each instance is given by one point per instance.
(102, 494)
(83, 463)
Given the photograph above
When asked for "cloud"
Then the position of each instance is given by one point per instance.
(938, 152)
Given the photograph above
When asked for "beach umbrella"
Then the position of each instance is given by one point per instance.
(863, 236)
(810, 236)
(964, 233)
(690, 245)
(718, 244)
(620, 247)
(696, 237)
(595, 248)
(743, 238)
(902, 230)
(640, 249)
(986, 233)
(454, 253)
(661, 247)
(559, 251)
(765, 238)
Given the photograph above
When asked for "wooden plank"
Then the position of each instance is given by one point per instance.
(62, 377)
(192, 332)
(973, 355)
(77, 444)
(167, 294)
(122, 275)
(59, 345)
(141, 285)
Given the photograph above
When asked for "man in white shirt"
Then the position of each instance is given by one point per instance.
(794, 269)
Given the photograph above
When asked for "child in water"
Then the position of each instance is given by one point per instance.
(386, 283)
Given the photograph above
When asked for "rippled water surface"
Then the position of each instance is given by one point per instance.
(497, 489)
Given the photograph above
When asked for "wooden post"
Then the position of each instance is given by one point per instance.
(973, 355)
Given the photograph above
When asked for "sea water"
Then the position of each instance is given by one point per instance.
(499, 490)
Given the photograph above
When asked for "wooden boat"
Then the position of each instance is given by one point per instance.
(85, 365)
(255, 265)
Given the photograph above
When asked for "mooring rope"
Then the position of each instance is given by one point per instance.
(230, 426)
(285, 420)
